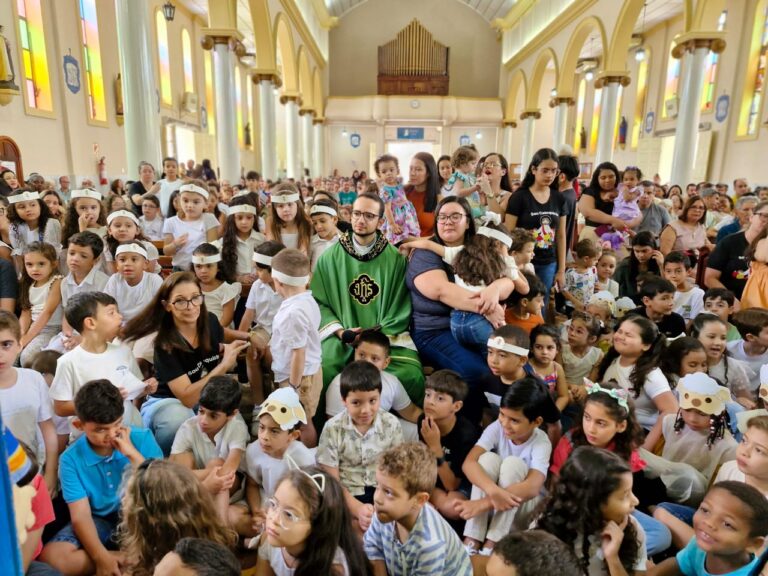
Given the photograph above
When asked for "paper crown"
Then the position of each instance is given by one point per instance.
(624, 305)
(19, 464)
(700, 392)
(285, 408)
(604, 297)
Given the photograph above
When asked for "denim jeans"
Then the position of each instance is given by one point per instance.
(164, 416)
(546, 273)
(682, 513)
(657, 536)
(41, 569)
(471, 330)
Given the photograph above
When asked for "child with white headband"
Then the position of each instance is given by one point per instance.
(295, 345)
(182, 234)
(30, 221)
(287, 222)
(324, 219)
(481, 261)
(84, 212)
(240, 237)
(124, 227)
(220, 295)
(132, 286)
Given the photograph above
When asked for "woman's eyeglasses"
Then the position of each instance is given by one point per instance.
(456, 217)
(182, 304)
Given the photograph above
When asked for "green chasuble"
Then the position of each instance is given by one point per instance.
(366, 291)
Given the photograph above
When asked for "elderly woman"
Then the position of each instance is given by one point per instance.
(688, 233)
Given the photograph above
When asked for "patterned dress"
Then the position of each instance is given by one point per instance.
(403, 212)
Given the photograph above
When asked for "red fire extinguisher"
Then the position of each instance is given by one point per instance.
(102, 169)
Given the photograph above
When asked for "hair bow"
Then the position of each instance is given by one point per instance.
(618, 394)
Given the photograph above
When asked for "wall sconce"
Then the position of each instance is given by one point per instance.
(553, 93)
(479, 135)
(640, 54)
(343, 132)
(169, 11)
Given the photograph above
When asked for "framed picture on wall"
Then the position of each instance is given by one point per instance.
(585, 170)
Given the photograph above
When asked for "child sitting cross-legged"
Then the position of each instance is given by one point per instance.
(352, 440)
(212, 444)
(407, 535)
(373, 346)
(266, 460)
(507, 358)
(449, 436)
(91, 471)
(508, 465)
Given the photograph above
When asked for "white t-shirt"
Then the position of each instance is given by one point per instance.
(689, 304)
(189, 438)
(736, 349)
(218, 297)
(280, 568)
(597, 566)
(21, 236)
(116, 364)
(131, 300)
(95, 281)
(534, 452)
(267, 470)
(393, 395)
(730, 471)
(296, 325)
(23, 406)
(196, 232)
(152, 229)
(317, 246)
(655, 384)
(265, 302)
(245, 249)
(164, 195)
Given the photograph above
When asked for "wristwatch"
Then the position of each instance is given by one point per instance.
(440, 461)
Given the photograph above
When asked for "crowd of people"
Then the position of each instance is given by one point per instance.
(434, 371)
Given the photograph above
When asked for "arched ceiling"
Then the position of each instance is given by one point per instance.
(488, 9)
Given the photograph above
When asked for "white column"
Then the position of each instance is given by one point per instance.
(306, 143)
(318, 146)
(226, 116)
(140, 97)
(561, 116)
(292, 138)
(506, 147)
(610, 101)
(687, 130)
(267, 124)
(529, 122)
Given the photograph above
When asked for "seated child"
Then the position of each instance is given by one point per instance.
(151, 221)
(532, 553)
(324, 219)
(752, 324)
(524, 310)
(352, 440)
(730, 527)
(720, 302)
(95, 316)
(449, 436)
(295, 344)
(407, 535)
(508, 465)
(267, 459)
(373, 346)
(581, 278)
(507, 358)
(606, 266)
(131, 285)
(689, 298)
(603, 306)
(213, 442)
(658, 297)
(91, 472)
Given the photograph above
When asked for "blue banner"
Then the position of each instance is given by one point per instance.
(410, 133)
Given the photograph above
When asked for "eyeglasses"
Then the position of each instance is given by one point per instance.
(369, 216)
(456, 217)
(492, 165)
(285, 518)
(182, 304)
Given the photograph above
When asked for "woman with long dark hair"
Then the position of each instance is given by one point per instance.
(596, 202)
(423, 190)
(496, 172)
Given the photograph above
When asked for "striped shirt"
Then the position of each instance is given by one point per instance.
(433, 547)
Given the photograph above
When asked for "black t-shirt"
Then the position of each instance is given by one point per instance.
(136, 188)
(193, 362)
(456, 444)
(543, 219)
(600, 204)
(671, 326)
(493, 388)
(728, 257)
(569, 198)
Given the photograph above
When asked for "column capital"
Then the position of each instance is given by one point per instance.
(690, 41)
(606, 77)
(305, 111)
(215, 36)
(259, 76)
(533, 113)
(318, 121)
(555, 102)
(285, 98)
(509, 123)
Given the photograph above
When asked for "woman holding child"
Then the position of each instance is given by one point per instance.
(189, 351)
(596, 203)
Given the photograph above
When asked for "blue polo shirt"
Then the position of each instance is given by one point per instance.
(85, 474)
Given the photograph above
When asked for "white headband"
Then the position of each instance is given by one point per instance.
(241, 209)
(496, 235)
(500, 344)
(290, 280)
(123, 214)
(322, 210)
(86, 193)
(262, 259)
(194, 188)
(133, 248)
(196, 259)
(24, 197)
(285, 198)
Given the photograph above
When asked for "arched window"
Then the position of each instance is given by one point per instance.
(89, 28)
(164, 59)
(239, 107)
(642, 90)
(580, 101)
(186, 55)
(754, 83)
(710, 74)
(673, 82)
(38, 96)
(209, 97)
(593, 131)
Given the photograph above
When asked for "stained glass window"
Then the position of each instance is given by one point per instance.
(94, 79)
(34, 68)
(186, 54)
(749, 118)
(163, 56)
